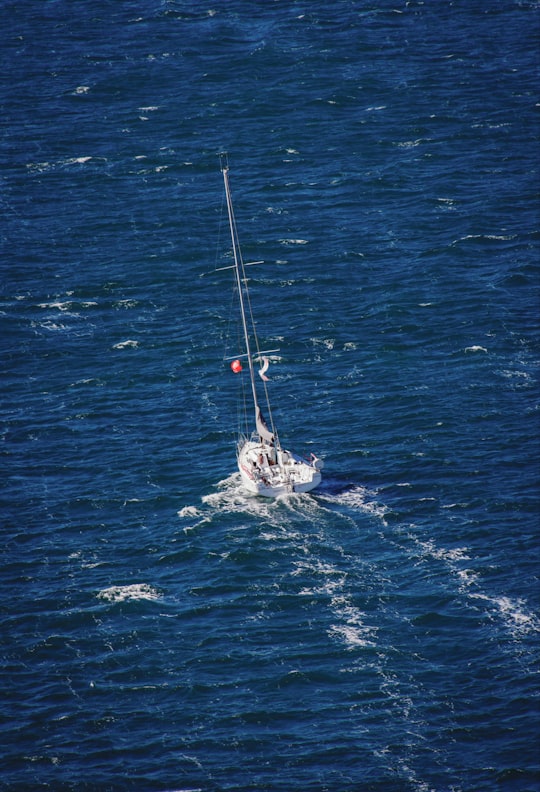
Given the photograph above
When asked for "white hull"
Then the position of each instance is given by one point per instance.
(271, 472)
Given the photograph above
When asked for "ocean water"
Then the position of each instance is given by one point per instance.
(162, 630)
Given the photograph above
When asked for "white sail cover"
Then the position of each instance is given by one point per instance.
(262, 428)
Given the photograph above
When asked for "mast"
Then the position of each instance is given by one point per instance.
(240, 276)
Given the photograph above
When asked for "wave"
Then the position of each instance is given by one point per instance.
(133, 591)
(129, 344)
(515, 616)
(359, 498)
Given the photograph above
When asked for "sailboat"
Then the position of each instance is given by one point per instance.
(266, 468)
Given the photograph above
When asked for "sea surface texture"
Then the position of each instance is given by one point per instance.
(161, 630)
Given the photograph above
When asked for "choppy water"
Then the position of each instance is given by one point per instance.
(160, 629)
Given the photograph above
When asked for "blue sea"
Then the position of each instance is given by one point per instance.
(161, 629)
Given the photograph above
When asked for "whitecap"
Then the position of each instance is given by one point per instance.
(491, 237)
(232, 497)
(128, 303)
(188, 511)
(38, 166)
(294, 241)
(444, 553)
(326, 342)
(352, 630)
(410, 143)
(318, 567)
(52, 326)
(359, 498)
(353, 637)
(515, 611)
(518, 620)
(62, 306)
(467, 577)
(85, 381)
(519, 379)
(126, 344)
(135, 591)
